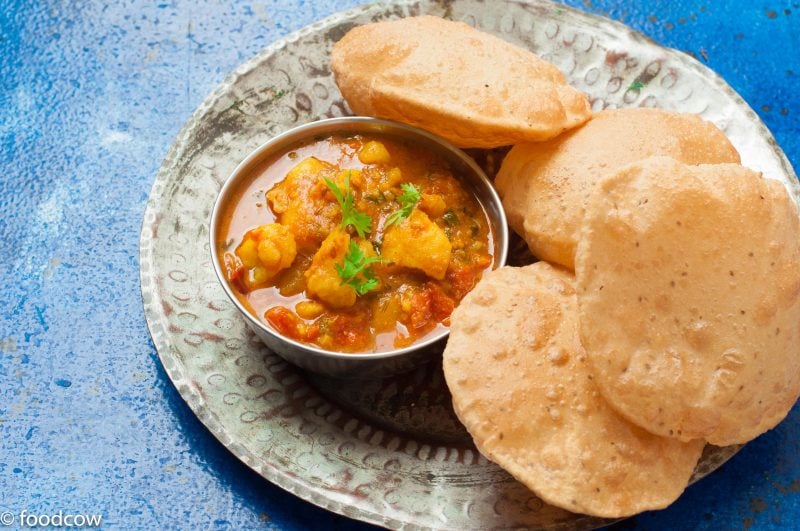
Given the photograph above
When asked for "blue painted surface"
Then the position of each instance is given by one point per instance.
(91, 95)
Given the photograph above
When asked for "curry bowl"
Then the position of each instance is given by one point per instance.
(271, 180)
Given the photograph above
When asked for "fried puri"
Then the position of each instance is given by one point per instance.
(544, 186)
(521, 385)
(469, 87)
(689, 291)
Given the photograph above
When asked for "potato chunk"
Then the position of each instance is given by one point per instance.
(264, 252)
(433, 205)
(322, 279)
(309, 309)
(419, 243)
(390, 179)
(301, 203)
(373, 152)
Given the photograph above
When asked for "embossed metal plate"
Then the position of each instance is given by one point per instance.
(390, 452)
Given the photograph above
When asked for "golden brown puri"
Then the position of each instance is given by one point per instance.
(689, 291)
(469, 87)
(521, 385)
(544, 186)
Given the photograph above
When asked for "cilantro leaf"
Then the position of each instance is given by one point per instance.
(350, 216)
(408, 200)
(369, 283)
(360, 221)
(356, 272)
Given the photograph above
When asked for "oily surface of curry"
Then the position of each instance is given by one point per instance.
(355, 244)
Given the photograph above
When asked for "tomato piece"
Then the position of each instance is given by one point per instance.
(429, 307)
(441, 305)
(462, 280)
(351, 332)
(421, 313)
(312, 332)
(290, 325)
(233, 266)
(235, 272)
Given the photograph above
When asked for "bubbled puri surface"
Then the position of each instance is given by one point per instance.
(689, 293)
(523, 387)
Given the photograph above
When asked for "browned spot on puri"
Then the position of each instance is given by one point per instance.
(167, 307)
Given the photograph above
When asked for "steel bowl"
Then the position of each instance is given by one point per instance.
(358, 365)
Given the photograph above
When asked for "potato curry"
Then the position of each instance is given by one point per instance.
(355, 244)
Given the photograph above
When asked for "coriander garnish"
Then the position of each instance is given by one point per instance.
(408, 200)
(350, 216)
(355, 271)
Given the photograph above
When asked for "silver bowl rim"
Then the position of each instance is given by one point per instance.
(306, 131)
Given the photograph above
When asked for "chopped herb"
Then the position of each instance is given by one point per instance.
(474, 228)
(355, 271)
(636, 85)
(376, 198)
(450, 217)
(408, 200)
(350, 216)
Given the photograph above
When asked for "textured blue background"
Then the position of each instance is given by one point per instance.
(92, 95)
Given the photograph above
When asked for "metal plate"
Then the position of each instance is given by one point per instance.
(390, 452)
